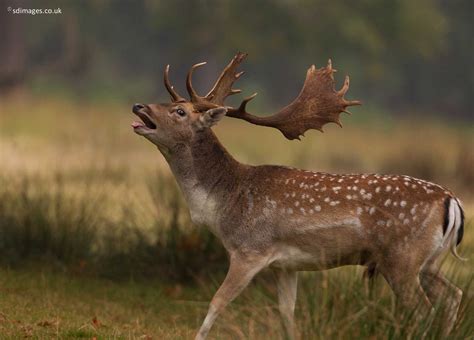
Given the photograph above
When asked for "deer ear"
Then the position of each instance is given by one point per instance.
(211, 117)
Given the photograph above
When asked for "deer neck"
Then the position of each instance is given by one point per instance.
(205, 171)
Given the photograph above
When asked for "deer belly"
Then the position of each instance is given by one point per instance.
(321, 249)
(298, 259)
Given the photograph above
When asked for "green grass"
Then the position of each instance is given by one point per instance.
(45, 304)
(333, 305)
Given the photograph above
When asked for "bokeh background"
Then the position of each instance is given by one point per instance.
(95, 239)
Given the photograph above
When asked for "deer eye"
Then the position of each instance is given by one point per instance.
(181, 112)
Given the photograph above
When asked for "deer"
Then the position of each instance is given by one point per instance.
(292, 220)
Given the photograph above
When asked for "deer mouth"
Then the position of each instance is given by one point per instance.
(146, 122)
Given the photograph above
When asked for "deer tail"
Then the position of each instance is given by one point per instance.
(453, 228)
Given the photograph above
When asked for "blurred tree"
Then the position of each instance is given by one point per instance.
(13, 49)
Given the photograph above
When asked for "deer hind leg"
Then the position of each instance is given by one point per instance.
(241, 271)
(405, 283)
(287, 286)
(438, 289)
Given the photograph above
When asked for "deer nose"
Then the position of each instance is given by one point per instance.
(137, 107)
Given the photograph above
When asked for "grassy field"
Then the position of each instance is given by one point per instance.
(335, 305)
(96, 240)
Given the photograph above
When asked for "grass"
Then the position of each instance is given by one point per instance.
(82, 230)
(331, 305)
(46, 304)
(96, 240)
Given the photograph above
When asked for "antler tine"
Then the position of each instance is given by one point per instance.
(223, 85)
(176, 97)
(343, 91)
(352, 102)
(317, 104)
(241, 110)
(344, 87)
(189, 86)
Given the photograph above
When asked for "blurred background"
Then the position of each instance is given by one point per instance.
(403, 55)
(95, 239)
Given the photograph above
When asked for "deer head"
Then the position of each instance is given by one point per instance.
(177, 122)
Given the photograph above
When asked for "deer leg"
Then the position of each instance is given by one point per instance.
(287, 286)
(406, 285)
(438, 288)
(241, 272)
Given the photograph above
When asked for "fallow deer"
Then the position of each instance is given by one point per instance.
(293, 220)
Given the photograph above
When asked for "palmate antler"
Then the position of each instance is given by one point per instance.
(317, 104)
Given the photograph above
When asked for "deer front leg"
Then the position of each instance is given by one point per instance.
(287, 286)
(241, 271)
